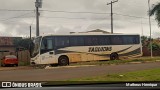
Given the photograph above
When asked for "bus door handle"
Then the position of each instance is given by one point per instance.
(50, 52)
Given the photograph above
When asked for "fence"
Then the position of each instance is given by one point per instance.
(146, 52)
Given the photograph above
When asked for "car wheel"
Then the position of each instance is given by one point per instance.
(16, 65)
(2, 65)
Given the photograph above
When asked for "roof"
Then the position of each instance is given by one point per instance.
(98, 30)
(92, 32)
(84, 34)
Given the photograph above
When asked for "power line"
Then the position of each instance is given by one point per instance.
(20, 16)
(14, 10)
(130, 16)
(15, 17)
(95, 13)
(139, 22)
(75, 12)
(63, 17)
(87, 18)
(55, 11)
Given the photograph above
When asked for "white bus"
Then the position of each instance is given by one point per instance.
(64, 49)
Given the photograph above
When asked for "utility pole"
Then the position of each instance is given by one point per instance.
(150, 29)
(142, 27)
(30, 45)
(30, 31)
(38, 4)
(37, 22)
(111, 14)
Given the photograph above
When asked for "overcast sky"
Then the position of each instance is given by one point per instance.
(126, 18)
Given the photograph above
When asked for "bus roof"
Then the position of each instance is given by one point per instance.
(88, 34)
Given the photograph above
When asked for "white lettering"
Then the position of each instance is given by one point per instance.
(149, 84)
(34, 85)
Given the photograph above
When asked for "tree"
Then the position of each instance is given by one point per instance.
(144, 40)
(25, 43)
(156, 11)
(155, 45)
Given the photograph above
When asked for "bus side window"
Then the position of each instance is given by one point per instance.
(136, 40)
(73, 41)
(131, 40)
(80, 41)
(91, 40)
(117, 40)
(61, 42)
(46, 45)
(49, 44)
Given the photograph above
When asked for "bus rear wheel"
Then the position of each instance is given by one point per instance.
(63, 61)
(114, 56)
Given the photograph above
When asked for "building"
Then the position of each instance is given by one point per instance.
(7, 44)
(99, 30)
(93, 31)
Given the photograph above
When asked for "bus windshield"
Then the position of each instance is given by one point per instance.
(36, 46)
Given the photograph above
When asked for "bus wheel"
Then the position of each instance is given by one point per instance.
(114, 56)
(63, 61)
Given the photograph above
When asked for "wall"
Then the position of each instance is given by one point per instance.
(146, 52)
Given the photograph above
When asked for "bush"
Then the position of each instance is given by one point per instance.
(155, 46)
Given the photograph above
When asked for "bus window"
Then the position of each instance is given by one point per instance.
(128, 40)
(76, 41)
(91, 40)
(104, 40)
(73, 41)
(47, 44)
(117, 40)
(61, 42)
(136, 39)
(80, 41)
(95, 41)
(131, 40)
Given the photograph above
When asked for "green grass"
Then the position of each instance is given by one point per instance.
(136, 76)
(116, 62)
(145, 75)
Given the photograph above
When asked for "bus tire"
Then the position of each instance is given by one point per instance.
(63, 61)
(114, 56)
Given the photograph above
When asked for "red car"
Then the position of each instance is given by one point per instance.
(9, 60)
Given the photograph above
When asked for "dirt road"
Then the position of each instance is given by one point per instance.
(52, 74)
